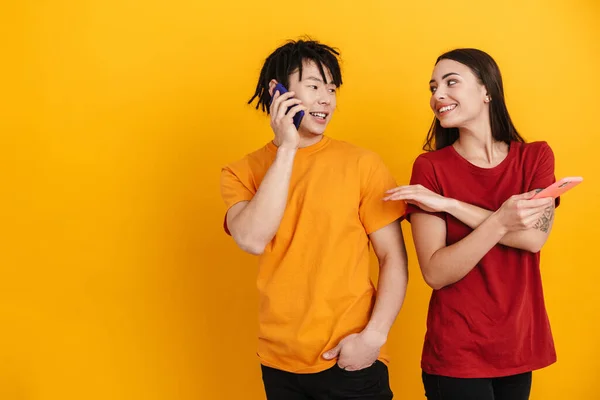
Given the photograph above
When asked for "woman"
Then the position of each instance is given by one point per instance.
(478, 233)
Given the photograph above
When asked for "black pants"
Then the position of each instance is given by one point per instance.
(371, 383)
(515, 387)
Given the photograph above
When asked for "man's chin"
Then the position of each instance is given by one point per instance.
(314, 132)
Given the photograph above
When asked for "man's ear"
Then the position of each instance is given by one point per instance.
(272, 85)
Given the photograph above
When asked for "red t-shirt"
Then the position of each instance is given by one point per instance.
(492, 322)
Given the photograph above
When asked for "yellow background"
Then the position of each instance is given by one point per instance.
(116, 279)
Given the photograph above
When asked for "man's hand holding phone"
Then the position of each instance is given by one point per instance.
(283, 109)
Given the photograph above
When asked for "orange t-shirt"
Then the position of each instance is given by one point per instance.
(313, 277)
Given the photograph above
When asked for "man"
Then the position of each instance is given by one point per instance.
(310, 206)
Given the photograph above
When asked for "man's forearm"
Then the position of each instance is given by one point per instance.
(391, 291)
(256, 225)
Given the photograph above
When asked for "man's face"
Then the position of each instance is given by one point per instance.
(316, 95)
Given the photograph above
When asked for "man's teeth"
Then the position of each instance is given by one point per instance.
(318, 114)
(447, 108)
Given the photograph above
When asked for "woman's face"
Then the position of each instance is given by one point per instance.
(457, 97)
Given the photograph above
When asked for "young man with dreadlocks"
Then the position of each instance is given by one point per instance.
(310, 206)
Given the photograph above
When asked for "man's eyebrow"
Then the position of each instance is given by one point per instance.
(314, 78)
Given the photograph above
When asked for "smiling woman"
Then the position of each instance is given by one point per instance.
(478, 259)
(464, 83)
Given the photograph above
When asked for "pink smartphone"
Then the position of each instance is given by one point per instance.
(559, 187)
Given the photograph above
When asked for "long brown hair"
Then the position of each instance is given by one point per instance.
(488, 74)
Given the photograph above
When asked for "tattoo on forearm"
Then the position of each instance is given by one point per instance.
(543, 224)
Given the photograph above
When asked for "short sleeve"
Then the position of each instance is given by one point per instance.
(235, 187)
(423, 173)
(375, 213)
(543, 175)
